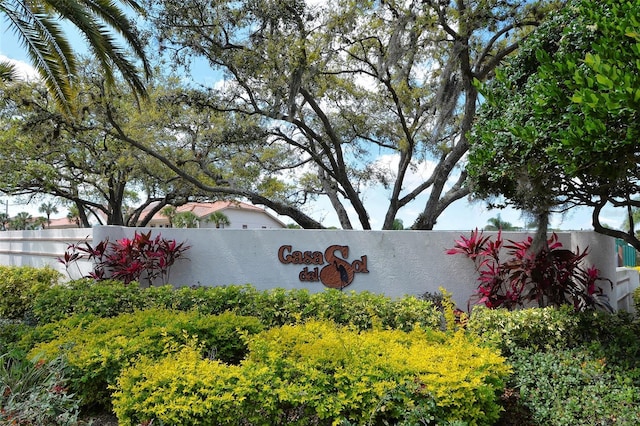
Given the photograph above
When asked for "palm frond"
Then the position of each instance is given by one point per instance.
(99, 21)
(46, 46)
(8, 72)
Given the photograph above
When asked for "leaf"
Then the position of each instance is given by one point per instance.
(605, 81)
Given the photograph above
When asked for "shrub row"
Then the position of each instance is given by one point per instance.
(98, 349)
(274, 307)
(318, 373)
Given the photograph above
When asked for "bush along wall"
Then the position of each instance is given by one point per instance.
(19, 285)
(323, 374)
(274, 307)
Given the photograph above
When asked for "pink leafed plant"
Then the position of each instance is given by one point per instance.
(128, 259)
(552, 277)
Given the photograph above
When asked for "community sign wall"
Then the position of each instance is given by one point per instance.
(394, 263)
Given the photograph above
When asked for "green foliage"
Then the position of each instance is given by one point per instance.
(560, 125)
(107, 298)
(98, 349)
(35, 393)
(614, 337)
(11, 332)
(566, 387)
(274, 307)
(19, 285)
(636, 299)
(535, 328)
(321, 373)
(569, 368)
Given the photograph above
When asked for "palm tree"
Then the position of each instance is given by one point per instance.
(4, 221)
(74, 215)
(38, 223)
(48, 209)
(186, 220)
(170, 213)
(220, 219)
(22, 221)
(37, 24)
(8, 71)
(496, 224)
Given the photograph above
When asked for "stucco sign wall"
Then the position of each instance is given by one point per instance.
(394, 263)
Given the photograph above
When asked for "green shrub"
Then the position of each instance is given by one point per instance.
(324, 374)
(274, 307)
(636, 300)
(19, 285)
(35, 393)
(614, 337)
(11, 332)
(97, 349)
(534, 328)
(573, 387)
(105, 299)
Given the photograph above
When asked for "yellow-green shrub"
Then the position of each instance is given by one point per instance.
(19, 285)
(636, 300)
(97, 349)
(321, 373)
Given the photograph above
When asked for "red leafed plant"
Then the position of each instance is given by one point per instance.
(551, 277)
(128, 259)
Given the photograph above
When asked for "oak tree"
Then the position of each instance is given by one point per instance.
(343, 84)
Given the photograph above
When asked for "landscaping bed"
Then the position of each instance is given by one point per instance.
(105, 353)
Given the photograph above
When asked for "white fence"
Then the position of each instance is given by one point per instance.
(394, 263)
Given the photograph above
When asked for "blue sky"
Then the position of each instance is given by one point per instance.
(461, 215)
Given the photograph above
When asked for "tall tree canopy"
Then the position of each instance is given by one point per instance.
(561, 124)
(104, 160)
(103, 25)
(343, 84)
(78, 159)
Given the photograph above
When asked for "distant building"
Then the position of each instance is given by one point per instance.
(61, 223)
(241, 216)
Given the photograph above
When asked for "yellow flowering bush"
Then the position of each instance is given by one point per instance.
(323, 374)
(98, 349)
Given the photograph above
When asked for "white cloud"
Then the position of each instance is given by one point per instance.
(25, 70)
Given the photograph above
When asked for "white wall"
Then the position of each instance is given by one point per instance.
(43, 247)
(397, 262)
